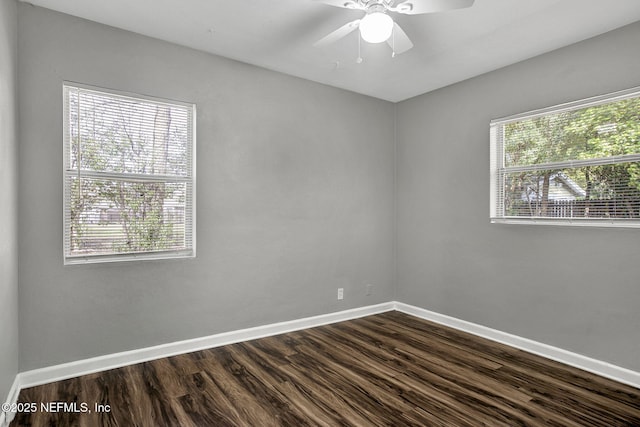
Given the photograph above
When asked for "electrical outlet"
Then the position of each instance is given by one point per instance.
(369, 289)
(340, 293)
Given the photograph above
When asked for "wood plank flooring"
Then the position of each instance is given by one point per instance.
(387, 369)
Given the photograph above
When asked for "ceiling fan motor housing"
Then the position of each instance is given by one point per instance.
(374, 7)
(367, 4)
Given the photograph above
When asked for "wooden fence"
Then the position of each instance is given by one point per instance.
(593, 208)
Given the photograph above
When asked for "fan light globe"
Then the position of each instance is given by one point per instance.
(376, 27)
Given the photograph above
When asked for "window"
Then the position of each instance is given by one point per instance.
(576, 163)
(128, 176)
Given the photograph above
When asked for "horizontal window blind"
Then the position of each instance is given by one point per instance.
(578, 163)
(129, 176)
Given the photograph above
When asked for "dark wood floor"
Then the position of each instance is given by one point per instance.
(387, 369)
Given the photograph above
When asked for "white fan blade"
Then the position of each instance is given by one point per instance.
(347, 4)
(399, 41)
(338, 34)
(416, 7)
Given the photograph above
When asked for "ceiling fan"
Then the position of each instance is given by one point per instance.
(377, 26)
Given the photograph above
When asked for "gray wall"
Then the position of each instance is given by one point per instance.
(294, 198)
(575, 288)
(9, 203)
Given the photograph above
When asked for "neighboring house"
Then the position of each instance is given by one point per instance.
(561, 187)
(105, 214)
(109, 215)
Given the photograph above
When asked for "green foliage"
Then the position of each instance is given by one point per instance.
(114, 214)
(597, 132)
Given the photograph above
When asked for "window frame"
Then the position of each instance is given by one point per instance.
(189, 179)
(497, 168)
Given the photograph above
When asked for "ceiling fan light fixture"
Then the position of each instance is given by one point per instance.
(376, 27)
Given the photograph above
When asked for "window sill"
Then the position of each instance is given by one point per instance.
(573, 222)
(147, 256)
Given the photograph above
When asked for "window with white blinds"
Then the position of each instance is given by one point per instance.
(577, 163)
(129, 167)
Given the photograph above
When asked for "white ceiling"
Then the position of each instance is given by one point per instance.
(279, 34)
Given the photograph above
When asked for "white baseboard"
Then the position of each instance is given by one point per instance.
(102, 363)
(604, 369)
(12, 397)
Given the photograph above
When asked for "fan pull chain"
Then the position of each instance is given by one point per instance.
(359, 58)
(393, 42)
